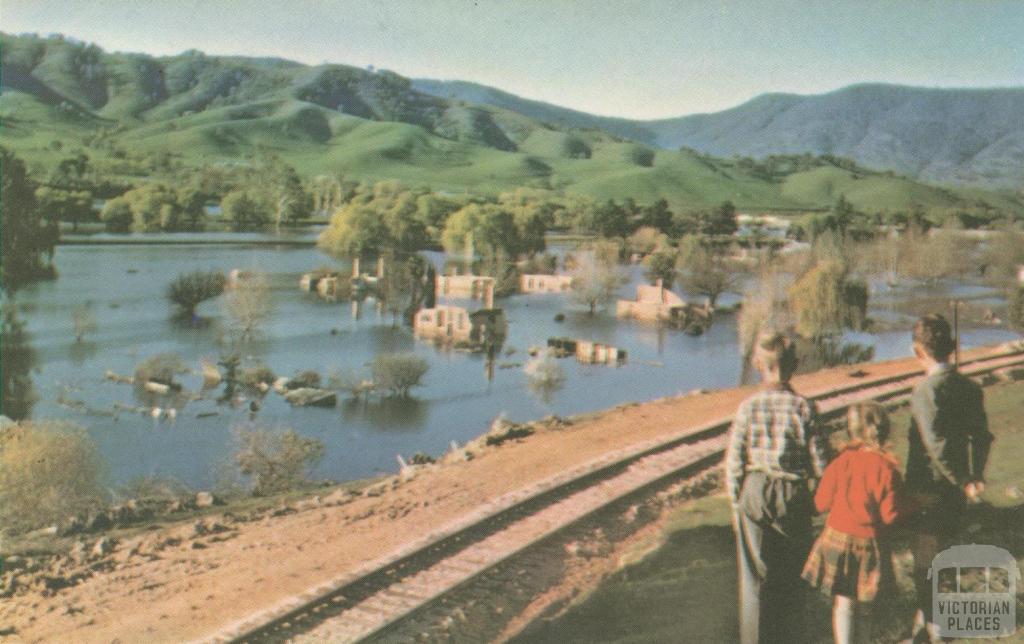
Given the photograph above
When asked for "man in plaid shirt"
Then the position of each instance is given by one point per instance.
(774, 450)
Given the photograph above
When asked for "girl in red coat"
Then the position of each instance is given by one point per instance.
(860, 490)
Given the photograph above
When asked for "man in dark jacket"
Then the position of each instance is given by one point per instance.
(948, 448)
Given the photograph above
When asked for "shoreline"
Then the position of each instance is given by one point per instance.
(145, 593)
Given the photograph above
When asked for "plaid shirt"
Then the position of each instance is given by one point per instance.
(774, 431)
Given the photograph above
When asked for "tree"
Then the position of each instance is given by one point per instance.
(247, 304)
(661, 265)
(720, 221)
(16, 360)
(153, 205)
(65, 205)
(658, 216)
(398, 373)
(1003, 255)
(117, 215)
(704, 271)
(824, 300)
(276, 461)
(596, 277)
(188, 290)
(244, 210)
(27, 242)
(482, 228)
(355, 230)
(48, 472)
(610, 220)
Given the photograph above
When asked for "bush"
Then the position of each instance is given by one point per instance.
(160, 368)
(276, 461)
(189, 289)
(397, 373)
(304, 379)
(49, 471)
(253, 376)
(117, 215)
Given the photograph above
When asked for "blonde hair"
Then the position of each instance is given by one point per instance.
(867, 424)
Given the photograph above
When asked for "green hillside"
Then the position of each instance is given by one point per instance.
(61, 97)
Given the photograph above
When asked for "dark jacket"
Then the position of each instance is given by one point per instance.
(949, 437)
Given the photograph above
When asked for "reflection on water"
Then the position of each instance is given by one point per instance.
(79, 352)
(16, 361)
(386, 414)
(461, 393)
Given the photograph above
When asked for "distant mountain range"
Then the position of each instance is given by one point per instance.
(947, 136)
(60, 95)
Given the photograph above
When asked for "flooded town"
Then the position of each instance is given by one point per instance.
(296, 348)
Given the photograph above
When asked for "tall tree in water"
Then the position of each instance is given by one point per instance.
(27, 241)
(26, 255)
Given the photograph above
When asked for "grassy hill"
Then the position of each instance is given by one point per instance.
(60, 96)
(967, 137)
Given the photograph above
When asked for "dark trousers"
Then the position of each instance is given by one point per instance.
(773, 538)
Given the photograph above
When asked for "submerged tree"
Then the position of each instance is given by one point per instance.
(661, 265)
(16, 357)
(188, 290)
(27, 240)
(704, 270)
(247, 305)
(398, 373)
(596, 276)
(825, 301)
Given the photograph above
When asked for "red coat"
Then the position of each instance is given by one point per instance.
(861, 491)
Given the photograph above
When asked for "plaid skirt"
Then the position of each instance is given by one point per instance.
(842, 564)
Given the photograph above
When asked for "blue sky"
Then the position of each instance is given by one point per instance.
(623, 58)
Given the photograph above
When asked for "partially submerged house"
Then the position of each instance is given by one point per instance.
(323, 283)
(537, 283)
(586, 351)
(476, 287)
(659, 304)
(458, 326)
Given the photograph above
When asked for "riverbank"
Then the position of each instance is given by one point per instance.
(183, 580)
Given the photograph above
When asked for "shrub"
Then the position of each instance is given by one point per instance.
(253, 376)
(160, 368)
(247, 305)
(276, 461)
(304, 379)
(49, 471)
(117, 215)
(189, 289)
(397, 373)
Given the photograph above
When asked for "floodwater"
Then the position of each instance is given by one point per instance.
(125, 285)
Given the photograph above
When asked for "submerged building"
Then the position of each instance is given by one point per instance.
(659, 304)
(538, 283)
(458, 326)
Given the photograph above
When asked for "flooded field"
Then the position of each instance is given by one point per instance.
(125, 285)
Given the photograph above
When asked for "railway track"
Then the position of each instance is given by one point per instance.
(384, 592)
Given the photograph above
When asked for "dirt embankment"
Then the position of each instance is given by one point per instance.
(184, 581)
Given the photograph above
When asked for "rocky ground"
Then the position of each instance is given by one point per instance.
(174, 581)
